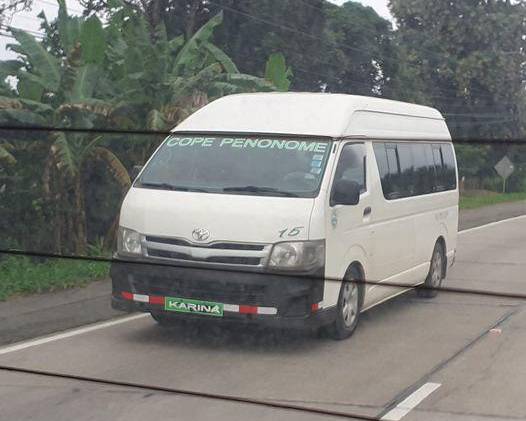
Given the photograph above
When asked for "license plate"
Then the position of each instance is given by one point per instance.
(184, 305)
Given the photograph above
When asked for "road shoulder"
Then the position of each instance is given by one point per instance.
(28, 317)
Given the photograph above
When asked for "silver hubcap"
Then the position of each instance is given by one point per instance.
(436, 269)
(349, 303)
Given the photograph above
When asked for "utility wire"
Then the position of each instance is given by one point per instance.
(36, 34)
(41, 35)
(193, 393)
(314, 278)
(311, 36)
(18, 128)
(6, 35)
(288, 28)
(50, 3)
(374, 33)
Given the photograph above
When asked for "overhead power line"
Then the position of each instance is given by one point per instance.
(36, 34)
(50, 3)
(314, 278)
(49, 129)
(193, 393)
(6, 35)
(335, 78)
(343, 46)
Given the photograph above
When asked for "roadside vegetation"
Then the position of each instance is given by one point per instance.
(479, 201)
(148, 64)
(21, 275)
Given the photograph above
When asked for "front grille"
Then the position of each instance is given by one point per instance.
(162, 240)
(232, 260)
(253, 261)
(220, 252)
(220, 246)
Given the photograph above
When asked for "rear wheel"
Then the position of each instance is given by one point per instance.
(347, 310)
(436, 274)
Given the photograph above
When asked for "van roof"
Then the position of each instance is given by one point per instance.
(317, 114)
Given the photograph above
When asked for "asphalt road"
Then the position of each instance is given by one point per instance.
(28, 317)
(457, 357)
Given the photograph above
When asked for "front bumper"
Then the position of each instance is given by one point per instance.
(249, 297)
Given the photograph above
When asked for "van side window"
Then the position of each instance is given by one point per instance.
(396, 163)
(413, 169)
(387, 165)
(381, 160)
(440, 184)
(406, 175)
(450, 172)
(424, 168)
(351, 166)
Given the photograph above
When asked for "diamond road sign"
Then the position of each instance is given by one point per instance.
(504, 167)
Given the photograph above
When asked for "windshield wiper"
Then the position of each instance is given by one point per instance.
(168, 186)
(256, 189)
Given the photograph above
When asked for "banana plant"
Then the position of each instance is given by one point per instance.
(62, 92)
(277, 72)
(169, 79)
(123, 74)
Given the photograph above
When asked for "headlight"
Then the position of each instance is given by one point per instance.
(298, 255)
(129, 241)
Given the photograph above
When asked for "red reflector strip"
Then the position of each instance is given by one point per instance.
(248, 309)
(315, 307)
(156, 300)
(127, 295)
(234, 308)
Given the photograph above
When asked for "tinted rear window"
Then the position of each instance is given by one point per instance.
(412, 169)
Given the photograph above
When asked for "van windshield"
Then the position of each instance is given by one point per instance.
(270, 166)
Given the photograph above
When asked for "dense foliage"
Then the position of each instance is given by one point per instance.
(147, 64)
(87, 75)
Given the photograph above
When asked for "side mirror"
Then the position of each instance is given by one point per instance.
(345, 192)
(135, 172)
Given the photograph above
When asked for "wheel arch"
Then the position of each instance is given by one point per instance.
(356, 271)
(442, 241)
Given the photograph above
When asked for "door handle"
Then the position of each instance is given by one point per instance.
(367, 211)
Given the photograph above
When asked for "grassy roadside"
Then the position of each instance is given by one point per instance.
(478, 201)
(21, 276)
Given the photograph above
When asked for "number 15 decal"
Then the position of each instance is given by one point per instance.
(290, 232)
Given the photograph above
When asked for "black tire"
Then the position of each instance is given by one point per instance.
(436, 274)
(347, 310)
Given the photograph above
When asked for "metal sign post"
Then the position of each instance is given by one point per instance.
(504, 168)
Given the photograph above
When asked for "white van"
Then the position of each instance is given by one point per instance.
(259, 205)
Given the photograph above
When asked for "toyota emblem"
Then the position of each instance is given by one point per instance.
(201, 234)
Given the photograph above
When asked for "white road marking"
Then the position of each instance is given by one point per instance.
(409, 403)
(69, 333)
(491, 224)
(103, 325)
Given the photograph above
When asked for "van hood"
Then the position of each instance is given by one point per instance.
(227, 217)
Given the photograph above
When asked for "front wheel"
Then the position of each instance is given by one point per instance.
(436, 274)
(347, 311)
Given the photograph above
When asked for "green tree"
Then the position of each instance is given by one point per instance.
(164, 79)
(359, 50)
(123, 75)
(251, 30)
(59, 91)
(466, 58)
(277, 72)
